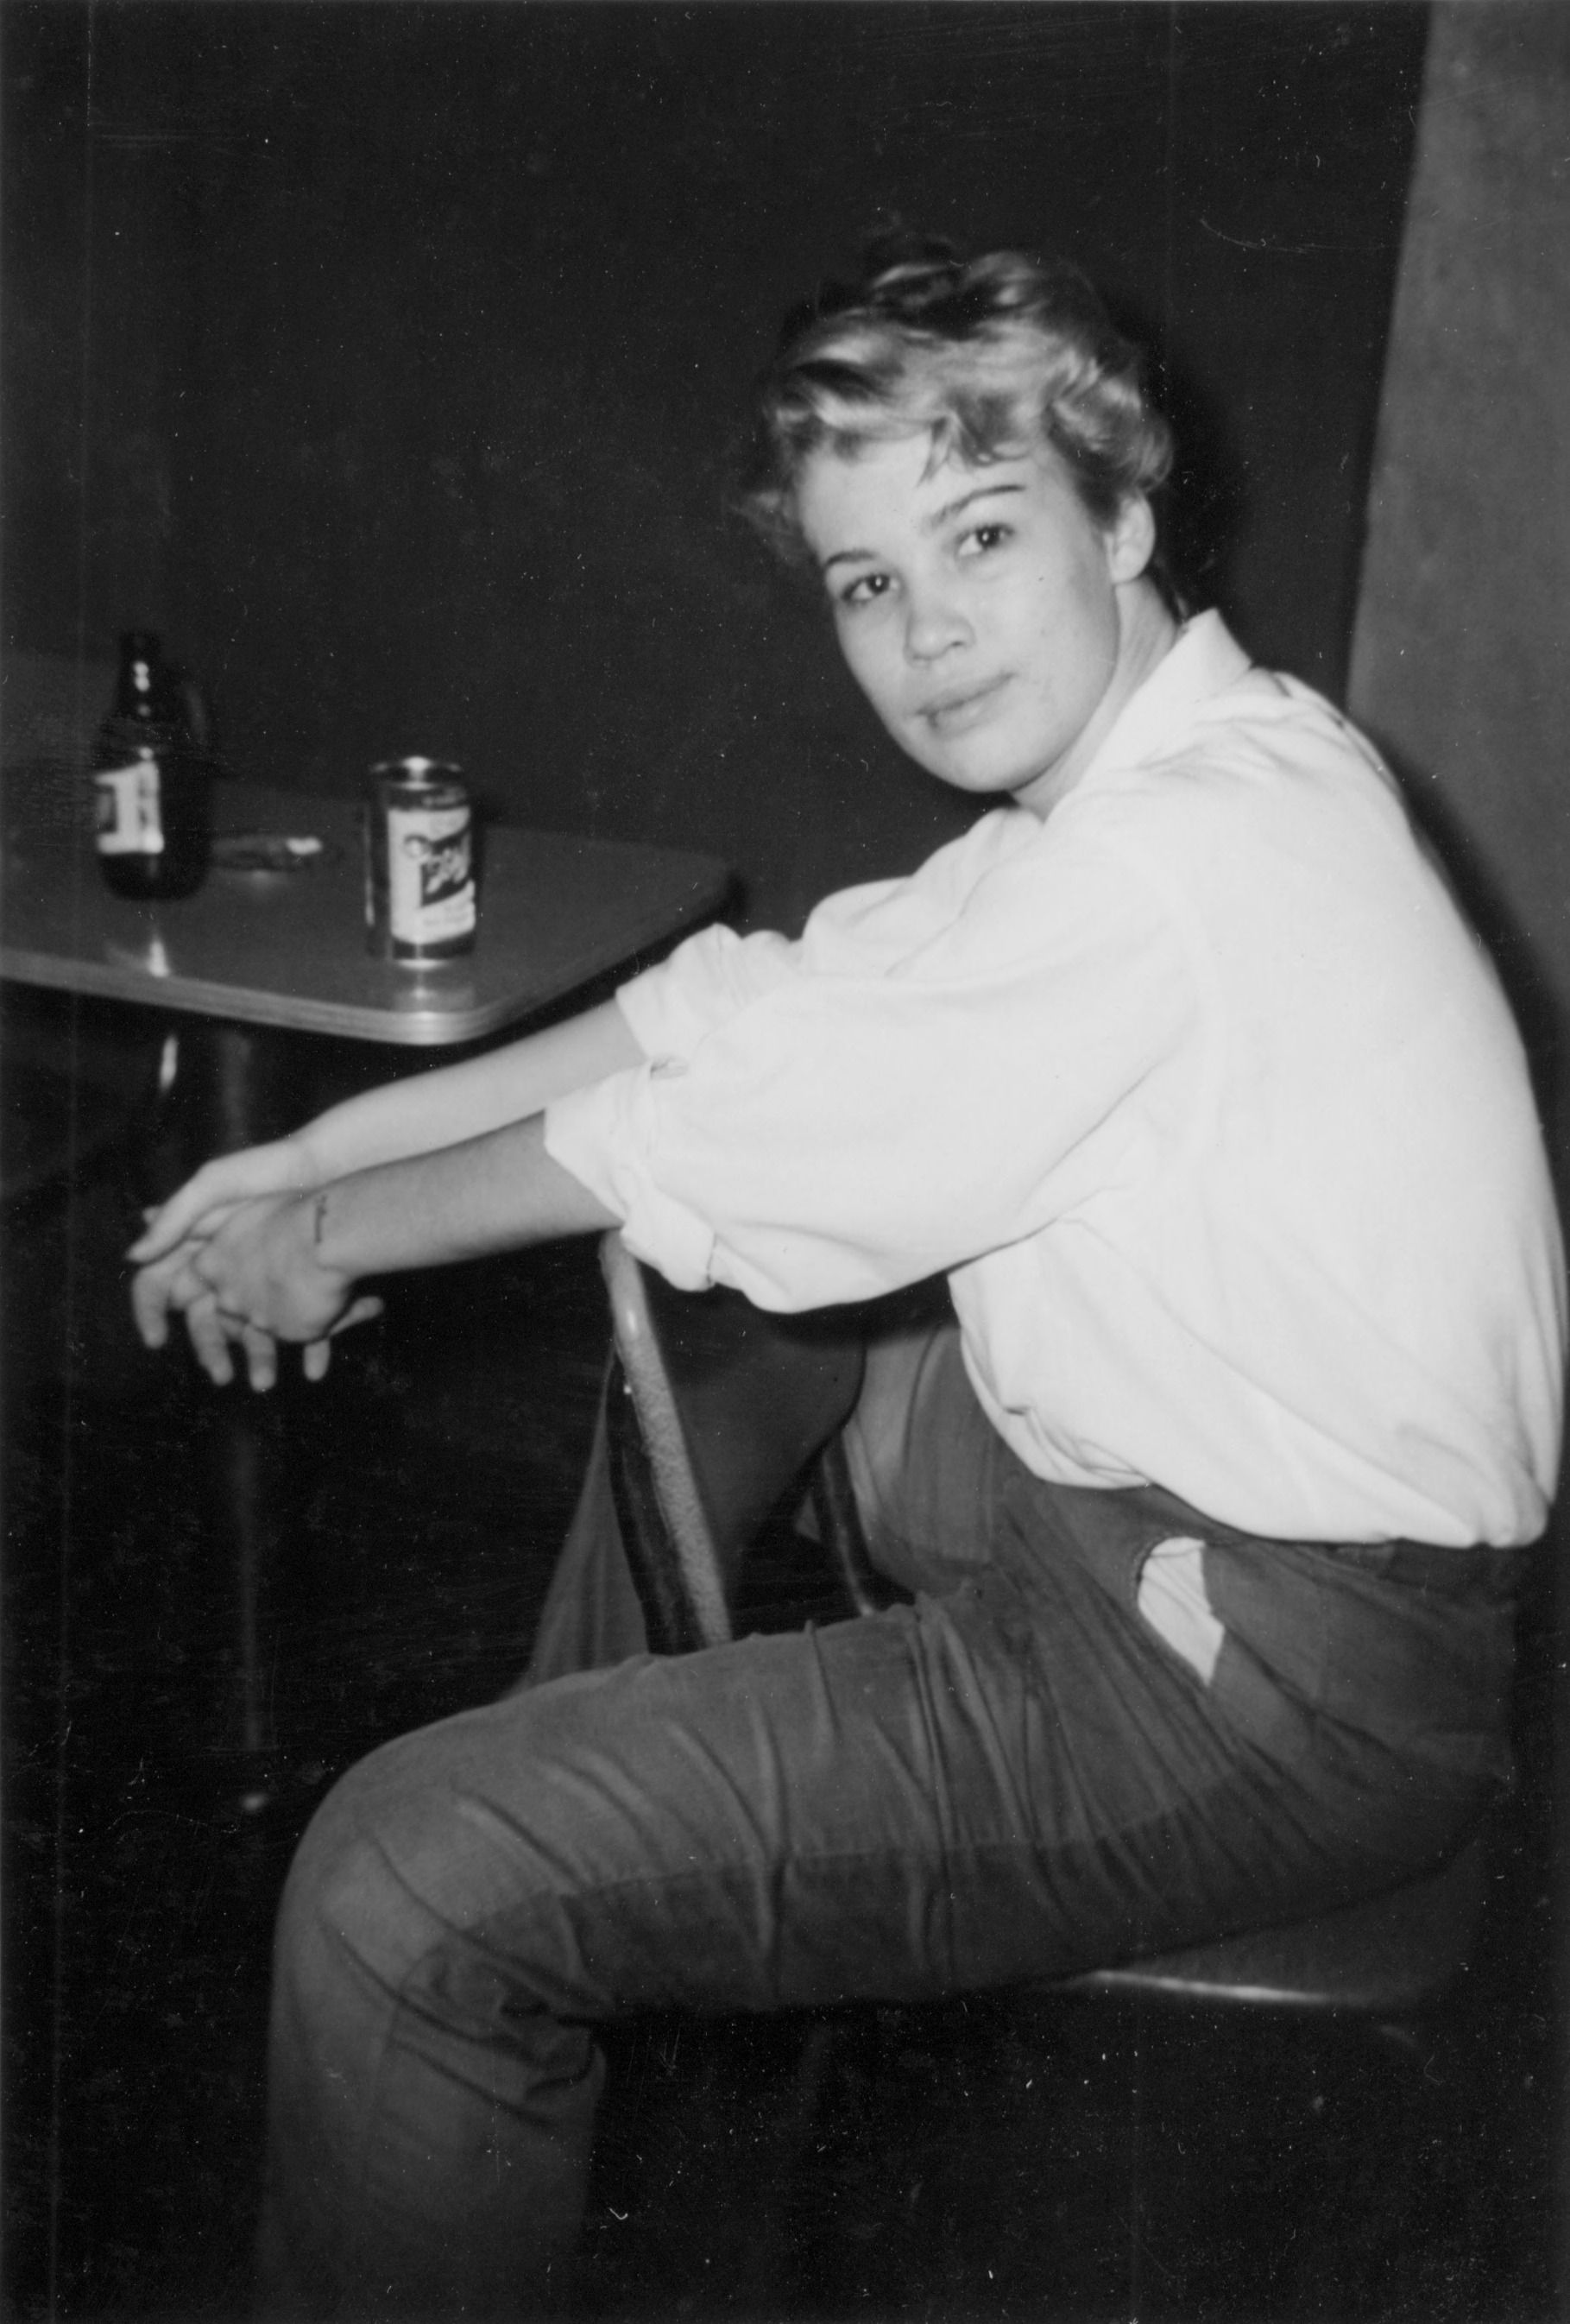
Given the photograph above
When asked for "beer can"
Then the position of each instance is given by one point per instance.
(421, 902)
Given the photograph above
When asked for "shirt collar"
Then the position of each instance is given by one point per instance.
(1202, 662)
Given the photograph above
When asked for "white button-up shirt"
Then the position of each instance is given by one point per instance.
(1201, 1094)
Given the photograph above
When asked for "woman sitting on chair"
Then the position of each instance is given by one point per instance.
(1184, 1071)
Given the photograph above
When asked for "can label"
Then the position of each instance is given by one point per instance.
(430, 876)
(421, 898)
(130, 820)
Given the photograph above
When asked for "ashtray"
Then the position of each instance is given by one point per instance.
(270, 851)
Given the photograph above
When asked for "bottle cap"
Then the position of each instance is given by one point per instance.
(417, 770)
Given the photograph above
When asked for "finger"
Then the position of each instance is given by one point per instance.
(153, 1294)
(190, 1281)
(318, 1354)
(216, 1191)
(172, 1220)
(260, 1356)
(364, 1310)
(146, 1252)
(151, 1210)
(149, 1308)
(209, 1340)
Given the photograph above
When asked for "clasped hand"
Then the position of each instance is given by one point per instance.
(234, 1252)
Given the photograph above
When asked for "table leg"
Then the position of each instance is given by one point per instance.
(220, 1087)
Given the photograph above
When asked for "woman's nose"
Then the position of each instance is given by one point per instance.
(934, 622)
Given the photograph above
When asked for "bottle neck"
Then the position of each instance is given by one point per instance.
(147, 695)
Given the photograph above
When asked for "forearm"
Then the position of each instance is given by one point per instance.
(498, 1192)
(427, 1112)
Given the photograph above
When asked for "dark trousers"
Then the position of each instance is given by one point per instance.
(1012, 1778)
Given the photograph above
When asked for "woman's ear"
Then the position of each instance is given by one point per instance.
(1130, 540)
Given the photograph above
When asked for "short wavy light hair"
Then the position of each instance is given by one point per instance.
(987, 355)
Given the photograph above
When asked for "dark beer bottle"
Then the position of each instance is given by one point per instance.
(151, 780)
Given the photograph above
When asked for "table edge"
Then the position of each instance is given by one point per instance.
(433, 1028)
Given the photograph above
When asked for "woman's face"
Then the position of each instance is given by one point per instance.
(994, 625)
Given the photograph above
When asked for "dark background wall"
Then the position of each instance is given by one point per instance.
(386, 357)
(1461, 658)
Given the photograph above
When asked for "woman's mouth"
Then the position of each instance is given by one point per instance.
(962, 706)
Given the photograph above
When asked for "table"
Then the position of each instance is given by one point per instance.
(258, 958)
(286, 949)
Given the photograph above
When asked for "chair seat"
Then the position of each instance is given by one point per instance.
(1384, 1957)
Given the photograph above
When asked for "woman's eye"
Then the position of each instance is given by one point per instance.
(864, 589)
(983, 537)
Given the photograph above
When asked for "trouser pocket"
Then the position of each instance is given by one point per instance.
(1171, 1598)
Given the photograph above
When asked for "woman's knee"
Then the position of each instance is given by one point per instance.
(365, 1894)
(442, 1871)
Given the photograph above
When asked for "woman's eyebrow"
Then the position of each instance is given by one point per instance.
(958, 506)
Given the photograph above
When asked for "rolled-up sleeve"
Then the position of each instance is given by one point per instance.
(606, 1135)
(841, 1133)
(865, 930)
(674, 1006)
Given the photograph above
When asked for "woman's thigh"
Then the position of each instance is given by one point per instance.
(1013, 1776)
(941, 1797)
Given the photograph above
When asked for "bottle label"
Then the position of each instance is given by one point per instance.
(130, 821)
(430, 868)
